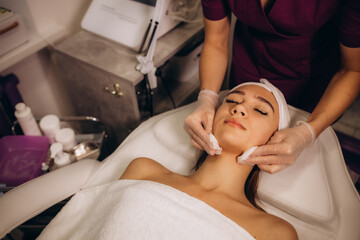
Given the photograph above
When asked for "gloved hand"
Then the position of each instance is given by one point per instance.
(283, 148)
(199, 123)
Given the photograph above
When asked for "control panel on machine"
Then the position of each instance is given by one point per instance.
(126, 21)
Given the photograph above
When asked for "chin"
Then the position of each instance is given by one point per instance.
(232, 143)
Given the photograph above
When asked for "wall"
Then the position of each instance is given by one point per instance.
(40, 86)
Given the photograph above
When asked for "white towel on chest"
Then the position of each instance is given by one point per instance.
(134, 209)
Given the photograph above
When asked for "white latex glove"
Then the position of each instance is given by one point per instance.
(283, 148)
(199, 123)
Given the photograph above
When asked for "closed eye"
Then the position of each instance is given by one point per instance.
(231, 101)
(261, 112)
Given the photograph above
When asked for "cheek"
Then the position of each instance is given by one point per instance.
(219, 117)
(262, 135)
(260, 138)
(230, 141)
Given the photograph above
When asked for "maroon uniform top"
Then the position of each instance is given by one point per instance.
(294, 44)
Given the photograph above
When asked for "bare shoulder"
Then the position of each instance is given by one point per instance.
(143, 168)
(280, 229)
(262, 225)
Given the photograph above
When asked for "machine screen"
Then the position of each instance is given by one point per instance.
(147, 2)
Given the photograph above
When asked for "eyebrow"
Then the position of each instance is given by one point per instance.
(258, 97)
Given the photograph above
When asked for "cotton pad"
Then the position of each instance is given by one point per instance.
(215, 144)
(218, 149)
(245, 155)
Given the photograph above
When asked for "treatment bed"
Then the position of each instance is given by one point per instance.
(315, 194)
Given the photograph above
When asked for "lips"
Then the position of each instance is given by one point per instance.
(235, 123)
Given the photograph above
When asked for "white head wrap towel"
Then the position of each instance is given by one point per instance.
(284, 114)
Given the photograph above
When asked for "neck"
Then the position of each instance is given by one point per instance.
(223, 174)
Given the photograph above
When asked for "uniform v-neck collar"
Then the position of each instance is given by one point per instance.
(263, 22)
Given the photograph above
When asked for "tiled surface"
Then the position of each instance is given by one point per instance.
(349, 123)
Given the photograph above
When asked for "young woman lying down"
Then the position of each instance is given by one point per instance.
(216, 202)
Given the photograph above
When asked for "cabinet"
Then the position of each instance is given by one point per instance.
(102, 81)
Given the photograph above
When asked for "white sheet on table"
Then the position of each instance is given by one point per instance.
(134, 209)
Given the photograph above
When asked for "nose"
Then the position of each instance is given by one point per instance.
(239, 109)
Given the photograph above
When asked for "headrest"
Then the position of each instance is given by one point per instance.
(301, 189)
(284, 115)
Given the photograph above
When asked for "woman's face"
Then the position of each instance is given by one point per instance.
(248, 117)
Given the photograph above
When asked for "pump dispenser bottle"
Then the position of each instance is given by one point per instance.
(26, 120)
(66, 137)
(60, 158)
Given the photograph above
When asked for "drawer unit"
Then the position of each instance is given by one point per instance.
(101, 79)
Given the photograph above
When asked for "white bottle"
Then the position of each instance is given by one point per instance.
(50, 125)
(60, 158)
(26, 120)
(66, 137)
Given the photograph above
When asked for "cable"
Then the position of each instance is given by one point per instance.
(159, 74)
(145, 36)
(149, 94)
